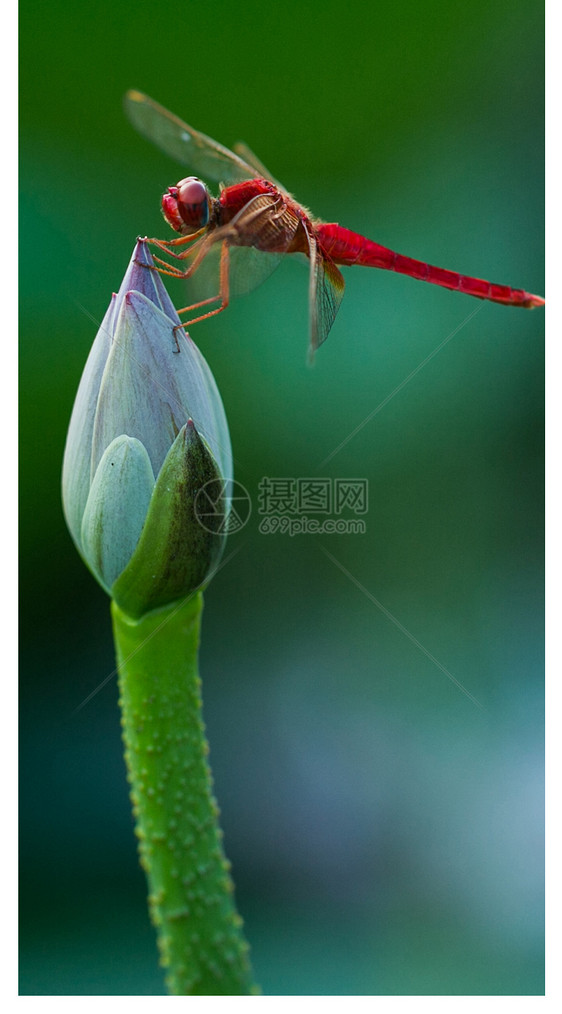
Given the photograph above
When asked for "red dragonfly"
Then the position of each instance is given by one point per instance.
(254, 221)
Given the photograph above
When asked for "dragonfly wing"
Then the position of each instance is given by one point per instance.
(247, 269)
(205, 157)
(326, 288)
(247, 155)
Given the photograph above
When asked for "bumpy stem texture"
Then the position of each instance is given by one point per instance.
(191, 895)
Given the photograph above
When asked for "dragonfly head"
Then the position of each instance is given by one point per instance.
(186, 207)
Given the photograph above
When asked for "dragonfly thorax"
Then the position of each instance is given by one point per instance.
(187, 206)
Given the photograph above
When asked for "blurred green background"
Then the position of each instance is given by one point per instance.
(386, 833)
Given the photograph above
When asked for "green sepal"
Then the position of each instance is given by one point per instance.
(175, 554)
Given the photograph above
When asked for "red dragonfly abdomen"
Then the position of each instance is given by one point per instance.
(346, 247)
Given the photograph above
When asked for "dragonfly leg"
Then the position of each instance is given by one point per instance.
(169, 269)
(198, 251)
(164, 268)
(223, 294)
(164, 244)
(183, 254)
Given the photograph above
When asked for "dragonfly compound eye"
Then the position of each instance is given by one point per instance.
(193, 202)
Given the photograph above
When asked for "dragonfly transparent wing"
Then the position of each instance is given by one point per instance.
(248, 156)
(247, 269)
(205, 157)
(326, 289)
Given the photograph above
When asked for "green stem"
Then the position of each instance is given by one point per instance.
(191, 895)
